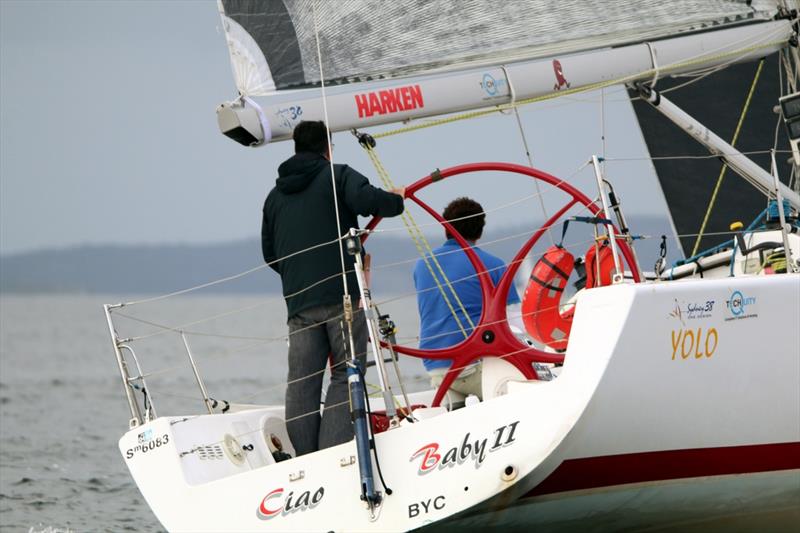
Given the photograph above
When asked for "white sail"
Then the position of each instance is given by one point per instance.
(366, 40)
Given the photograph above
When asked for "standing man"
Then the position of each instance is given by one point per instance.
(438, 326)
(300, 218)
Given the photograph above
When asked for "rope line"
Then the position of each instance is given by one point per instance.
(266, 340)
(586, 88)
(713, 199)
(229, 278)
(421, 242)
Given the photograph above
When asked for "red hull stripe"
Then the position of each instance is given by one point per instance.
(610, 470)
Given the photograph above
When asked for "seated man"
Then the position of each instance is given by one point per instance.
(438, 326)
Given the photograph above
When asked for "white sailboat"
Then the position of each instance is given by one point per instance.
(678, 402)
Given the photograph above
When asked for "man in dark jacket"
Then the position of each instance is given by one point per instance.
(300, 218)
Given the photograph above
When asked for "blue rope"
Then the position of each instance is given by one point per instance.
(726, 244)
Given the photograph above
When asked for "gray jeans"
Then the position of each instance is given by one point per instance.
(313, 335)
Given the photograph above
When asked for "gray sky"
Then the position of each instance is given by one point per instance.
(108, 134)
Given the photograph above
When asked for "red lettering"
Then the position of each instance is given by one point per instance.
(430, 458)
(374, 105)
(407, 103)
(267, 513)
(389, 105)
(389, 101)
(396, 96)
(361, 104)
(416, 96)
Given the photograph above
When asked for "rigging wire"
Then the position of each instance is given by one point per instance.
(725, 165)
(330, 151)
(524, 139)
(263, 341)
(421, 241)
(181, 327)
(229, 278)
(530, 164)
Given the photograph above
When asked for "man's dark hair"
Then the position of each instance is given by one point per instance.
(470, 228)
(310, 136)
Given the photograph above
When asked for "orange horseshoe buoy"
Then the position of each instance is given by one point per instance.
(599, 257)
(540, 304)
(543, 319)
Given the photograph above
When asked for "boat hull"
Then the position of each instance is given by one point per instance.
(677, 401)
(763, 501)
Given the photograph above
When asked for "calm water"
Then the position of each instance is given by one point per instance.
(62, 407)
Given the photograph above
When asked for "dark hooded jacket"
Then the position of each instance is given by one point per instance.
(299, 213)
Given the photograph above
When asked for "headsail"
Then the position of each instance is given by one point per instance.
(367, 40)
(717, 101)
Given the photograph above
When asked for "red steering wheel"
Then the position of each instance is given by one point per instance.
(492, 336)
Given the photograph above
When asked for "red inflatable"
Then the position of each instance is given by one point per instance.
(541, 312)
(599, 259)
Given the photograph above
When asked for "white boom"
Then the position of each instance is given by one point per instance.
(362, 105)
(738, 162)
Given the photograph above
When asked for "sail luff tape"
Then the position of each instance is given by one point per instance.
(262, 118)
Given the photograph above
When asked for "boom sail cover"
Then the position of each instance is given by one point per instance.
(273, 43)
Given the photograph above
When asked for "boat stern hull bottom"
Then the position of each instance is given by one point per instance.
(764, 501)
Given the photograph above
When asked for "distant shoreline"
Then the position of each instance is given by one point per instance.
(159, 269)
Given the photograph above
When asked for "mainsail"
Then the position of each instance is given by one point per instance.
(273, 43)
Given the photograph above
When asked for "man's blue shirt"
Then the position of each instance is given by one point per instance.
(438, 328)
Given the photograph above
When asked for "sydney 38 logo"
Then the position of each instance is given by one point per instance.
(276, 504)
(692, 310)
(432, 457)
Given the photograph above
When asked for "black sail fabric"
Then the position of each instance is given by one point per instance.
(717, 102)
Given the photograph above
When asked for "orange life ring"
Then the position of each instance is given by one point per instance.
(541, 313)
(599, 257)
(540, 304)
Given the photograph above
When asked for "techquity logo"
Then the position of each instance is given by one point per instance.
(561, 81)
